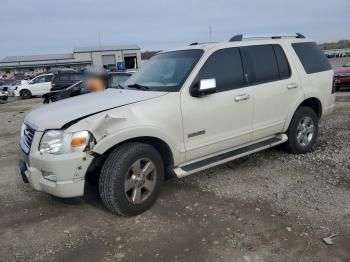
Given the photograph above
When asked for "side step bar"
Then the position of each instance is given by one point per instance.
(194, 167)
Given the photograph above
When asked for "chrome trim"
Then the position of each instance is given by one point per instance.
(27, 138)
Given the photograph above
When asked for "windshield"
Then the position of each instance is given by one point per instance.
(165, 72)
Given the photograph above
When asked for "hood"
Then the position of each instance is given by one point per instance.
(57, 114)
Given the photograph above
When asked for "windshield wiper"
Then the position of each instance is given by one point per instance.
(138, 86)
(120, 86)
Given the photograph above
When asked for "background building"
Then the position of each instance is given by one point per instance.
(105, 56)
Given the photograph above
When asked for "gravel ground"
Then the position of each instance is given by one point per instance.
(270, 206)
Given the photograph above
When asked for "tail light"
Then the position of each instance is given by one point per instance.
(333, 86)
(53, 85)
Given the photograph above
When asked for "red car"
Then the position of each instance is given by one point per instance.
(342, 76)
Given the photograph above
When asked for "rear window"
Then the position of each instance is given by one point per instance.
(263, 63)
(283, 65)
(311, 57)
(63, 77)
(48, 78)
(76, 77)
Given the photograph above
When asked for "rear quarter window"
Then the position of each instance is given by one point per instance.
(311, 57)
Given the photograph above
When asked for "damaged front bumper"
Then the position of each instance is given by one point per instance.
(58, 175)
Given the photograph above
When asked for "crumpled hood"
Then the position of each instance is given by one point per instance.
(57, 114)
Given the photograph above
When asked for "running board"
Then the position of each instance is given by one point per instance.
(200, 165)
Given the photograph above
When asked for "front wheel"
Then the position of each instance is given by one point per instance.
(131, 178)
(25, 94)
(303, 131)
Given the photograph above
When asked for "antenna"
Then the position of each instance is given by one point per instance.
(99, 39)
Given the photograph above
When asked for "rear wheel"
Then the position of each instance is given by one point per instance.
(131, 178)
(25, 94)
(303, 131)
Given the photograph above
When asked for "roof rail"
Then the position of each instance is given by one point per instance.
(201, 43)
(240, 37)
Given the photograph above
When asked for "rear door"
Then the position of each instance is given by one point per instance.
(222, 120)
(276, 86)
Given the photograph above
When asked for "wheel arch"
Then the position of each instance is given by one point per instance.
(23, 90)
(162, 147)
(312, 102)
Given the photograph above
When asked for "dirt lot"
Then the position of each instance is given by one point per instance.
(270, 206)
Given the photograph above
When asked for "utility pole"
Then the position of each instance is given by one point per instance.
(210, 33)
(99, 39)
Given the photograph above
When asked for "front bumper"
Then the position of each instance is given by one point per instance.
(58, 175)
(64, 189)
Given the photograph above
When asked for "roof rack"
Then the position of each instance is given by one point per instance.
(274, 36)
(200, 43)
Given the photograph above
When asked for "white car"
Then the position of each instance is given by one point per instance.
(184, 111)
(36, 87)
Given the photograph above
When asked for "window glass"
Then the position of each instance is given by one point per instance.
(263, 63)
(64, 77)
(39, 79)
(118, 79)
(165, 71)
(225, 66)
(283, 65)
(76, 77)
(48, 78)
(311, 57)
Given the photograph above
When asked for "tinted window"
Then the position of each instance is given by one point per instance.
(76, 77)
(225, 66)
(64, 77)
(283, 65)
(312, 57)
(263, 62)
(48, 78)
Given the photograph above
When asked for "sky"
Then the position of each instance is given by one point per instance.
(45, 27)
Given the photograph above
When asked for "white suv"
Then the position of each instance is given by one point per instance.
(186, 110)
(36, 87)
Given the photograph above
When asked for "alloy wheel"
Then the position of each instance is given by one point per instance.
(140, 181)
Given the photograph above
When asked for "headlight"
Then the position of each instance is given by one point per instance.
(60, 142)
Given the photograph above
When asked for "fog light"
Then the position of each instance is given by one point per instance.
(49, 176)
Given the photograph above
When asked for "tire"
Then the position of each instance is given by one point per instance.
(119, 171)
(25, 94)
(303, 131)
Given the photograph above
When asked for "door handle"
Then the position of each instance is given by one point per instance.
(292, 86)
(241, 97)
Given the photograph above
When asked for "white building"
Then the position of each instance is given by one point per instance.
(106, 56)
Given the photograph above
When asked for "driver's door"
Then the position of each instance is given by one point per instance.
(37, 85)
(222, 120)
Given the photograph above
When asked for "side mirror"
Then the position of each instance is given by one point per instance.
(204, 87)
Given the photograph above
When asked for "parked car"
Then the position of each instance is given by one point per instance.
(65, 78)
(36, 87)
(185, 111)
(346, 64)
(342, 78)
(114, 79)
(10, 87)
(4, 93)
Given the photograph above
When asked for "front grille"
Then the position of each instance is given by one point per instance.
(27, 138)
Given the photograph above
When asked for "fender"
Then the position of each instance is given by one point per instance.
(122, 135)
